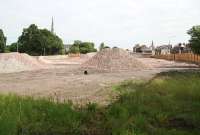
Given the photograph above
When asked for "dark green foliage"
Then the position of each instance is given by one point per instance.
(195, 39)
(2, 42)
(87, 47)
(74, 49)
(103, 46)
(36, 41)
(169, 104)
(106, 47)
(82, 47)
(13, 47)
(77, 42)
(7, 50)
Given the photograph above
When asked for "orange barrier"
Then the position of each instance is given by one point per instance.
(186, 57)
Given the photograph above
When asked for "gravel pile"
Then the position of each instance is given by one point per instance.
(16, 62)
(113, 60)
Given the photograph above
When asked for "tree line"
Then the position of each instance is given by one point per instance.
(85, 47)
(35, 41)
(82, 47)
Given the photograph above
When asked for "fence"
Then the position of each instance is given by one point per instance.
(186, 57)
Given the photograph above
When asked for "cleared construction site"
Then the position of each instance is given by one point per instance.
(62, 77)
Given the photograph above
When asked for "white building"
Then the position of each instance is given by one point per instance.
(67, 47)
(163, 50)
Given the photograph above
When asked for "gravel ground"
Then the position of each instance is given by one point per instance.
(67, 81)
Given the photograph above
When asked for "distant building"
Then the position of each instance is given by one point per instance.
(137, 48)
(67, 47)
(187, 48)
(146, 50)
(143, 49)
(163, 50)
(181, 48)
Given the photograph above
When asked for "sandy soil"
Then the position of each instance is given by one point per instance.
(67, 81)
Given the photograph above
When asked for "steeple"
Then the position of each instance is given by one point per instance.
(52, 26)
(152, 45)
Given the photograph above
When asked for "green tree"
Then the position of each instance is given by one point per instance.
(74, 49)
(13, 47)
(2, 42)
(101, 47)
(194, 32)
(51, 43)
(36, 41)
(77, 42)
(82, 47)
(87, 47)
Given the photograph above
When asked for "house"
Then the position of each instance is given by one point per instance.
(187, 48)
(163, 50)
(181, 48)
(67, 47)
(137, 48)
(146, 50)
(141, 49)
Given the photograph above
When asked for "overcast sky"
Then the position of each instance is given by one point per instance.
(116, 22)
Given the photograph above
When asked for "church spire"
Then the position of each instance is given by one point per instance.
(52, 26)
(152, 45)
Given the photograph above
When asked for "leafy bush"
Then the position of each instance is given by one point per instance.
(12, 47)
(82, 47)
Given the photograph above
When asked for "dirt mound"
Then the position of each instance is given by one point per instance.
(113, 60)
(16, 62)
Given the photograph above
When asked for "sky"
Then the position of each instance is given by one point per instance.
(121, 23)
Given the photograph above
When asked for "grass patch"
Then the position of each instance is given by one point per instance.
(169, 104)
